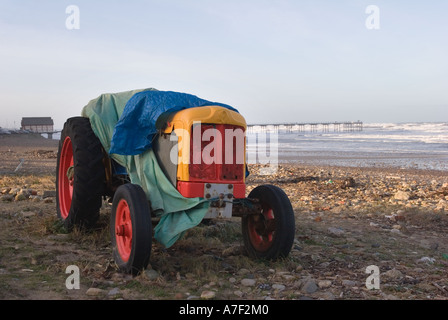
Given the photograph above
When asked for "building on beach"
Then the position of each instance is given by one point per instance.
(37, 124)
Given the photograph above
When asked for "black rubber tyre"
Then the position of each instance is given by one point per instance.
(270, 234)
(80, 174)
(131, 228)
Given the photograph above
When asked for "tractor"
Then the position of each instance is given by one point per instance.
(196, 153)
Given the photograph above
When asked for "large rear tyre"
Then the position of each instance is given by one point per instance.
(270, 234)
(131, 228)
(80, 174)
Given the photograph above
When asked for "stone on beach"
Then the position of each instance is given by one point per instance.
(402, 195)
(248, 282)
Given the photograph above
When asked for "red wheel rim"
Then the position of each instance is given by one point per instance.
(261, 229)
(65, 187)
(123, 230)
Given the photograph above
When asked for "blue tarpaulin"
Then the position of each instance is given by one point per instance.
(136, 127)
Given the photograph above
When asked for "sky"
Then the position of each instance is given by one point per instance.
(274, 61)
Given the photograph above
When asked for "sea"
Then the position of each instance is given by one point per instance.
(413, 145)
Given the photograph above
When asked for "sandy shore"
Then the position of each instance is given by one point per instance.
(38, 154)
(401, 160)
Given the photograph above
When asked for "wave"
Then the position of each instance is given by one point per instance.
(437, 127)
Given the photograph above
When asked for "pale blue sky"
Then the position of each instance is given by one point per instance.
(275, 61)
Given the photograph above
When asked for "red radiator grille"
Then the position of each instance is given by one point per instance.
(217, 153)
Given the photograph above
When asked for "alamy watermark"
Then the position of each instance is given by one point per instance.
(73, 21)
(265, 151)
(73, 280)
(373, 20)
(210, 145)
(373, 281)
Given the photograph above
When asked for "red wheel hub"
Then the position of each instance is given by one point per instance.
(123, 230)
(65, 190)
(262, 228)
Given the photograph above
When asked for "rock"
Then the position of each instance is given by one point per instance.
(7, 198)
(114, 292)
(264, 286)
(243, 271)
(14, 191)
(327, 295)
(6, 190)
(442, 205)
(179, 296)
(393, 274)
(429, 244)
(248, 282)
(324, 284)
(278, 287)
(390, 297)
(402, 195)
(426, 260)
(208, 294)
(25, 192)
(309, 286)
(20, 197)
(48, 200)
(238, 293)
(28, 214)
(151, 274)
(400, 215)
(288, 277)
(49, 194)
(335, 231)
(36, 199)
(348, 183)
(121, 277)
(95, 292)
(348, 283)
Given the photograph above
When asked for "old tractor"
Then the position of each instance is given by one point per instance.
(200, 151)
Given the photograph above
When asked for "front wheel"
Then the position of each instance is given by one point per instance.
(270, 234)
(131, 228)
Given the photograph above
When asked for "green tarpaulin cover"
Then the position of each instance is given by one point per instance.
(177, 214)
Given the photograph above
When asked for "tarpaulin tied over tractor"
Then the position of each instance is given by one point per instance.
(138, 148)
